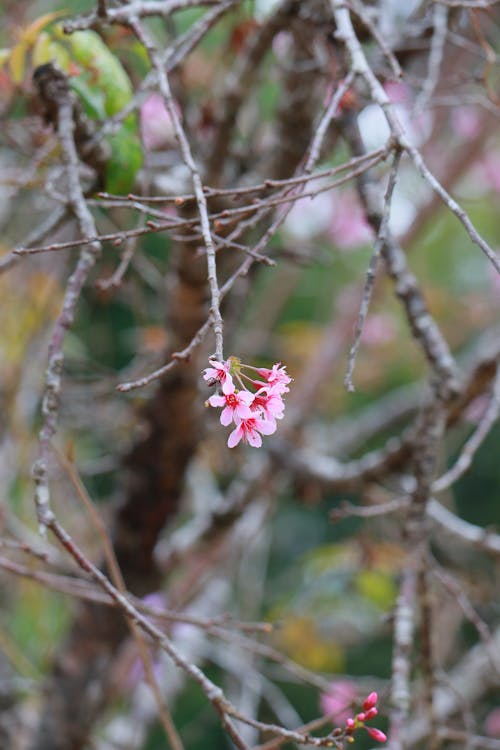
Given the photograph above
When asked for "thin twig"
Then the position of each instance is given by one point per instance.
(372, 272)
(185, 148)
(88, 256)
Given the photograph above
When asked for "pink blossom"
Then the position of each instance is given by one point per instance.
(349, 227)
(376, 734)
(156, 124)
(398, 92)
(269, 401)
(338, 700)
(236, 406)
(465, 122)
(276, 377)
(220, 371)
(492, 723)
(379, 329)
(156, 600)
(249, 430)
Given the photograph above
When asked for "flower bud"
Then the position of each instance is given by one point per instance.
(376, 734)
(371, 701)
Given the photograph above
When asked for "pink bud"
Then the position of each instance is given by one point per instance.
(360, 717)
(376, 734)
(371, 713)
(371, 701)
(350, 723)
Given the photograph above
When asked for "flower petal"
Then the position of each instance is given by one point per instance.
(265, 426)
(216, 400)
(226, 416)
(244, 412)
(253, 438)
(235, 437)
(227, 385)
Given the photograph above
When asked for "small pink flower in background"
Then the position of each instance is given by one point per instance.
(465, 122)
(492, 723)
(250, 430)
(337, 702)
(398, 93)
(156, 124)
(236, 405)
(155, 600)
(378, 329)
(220, 371)
(349, 227)
(475, 411)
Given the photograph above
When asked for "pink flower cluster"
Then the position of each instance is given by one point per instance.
(369, 712)
(335, 703)
(254, 412)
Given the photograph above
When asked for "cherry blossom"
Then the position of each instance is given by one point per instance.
(255, 406)
(250, 430)
(336, 702)
(270, 403)
(236, 405)
(277, 377)
(220, 371)
(156, 124)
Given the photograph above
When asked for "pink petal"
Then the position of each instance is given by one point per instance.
(254, 439)
(265, 426)
(244, 412)
(210, 373)
(235, 437)
(226, 416)
(245, 397)
(227, 385)
(216, 400)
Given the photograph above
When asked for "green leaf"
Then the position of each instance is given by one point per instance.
(125, 162)
(106, 72)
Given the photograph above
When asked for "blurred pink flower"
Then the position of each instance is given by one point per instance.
(349, 227)
(337, 702)
(465, 122)
(476, 409)
(378, 329)
(492, 723)
(398, 93)
(156, 124)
